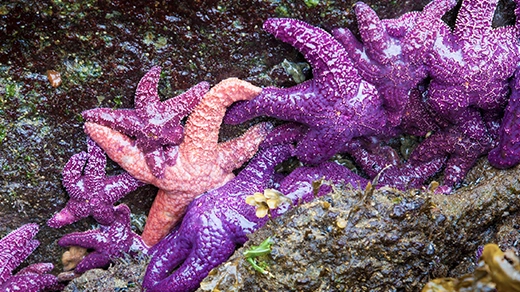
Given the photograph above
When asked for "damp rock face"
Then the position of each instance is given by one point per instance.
(373, 240)
(125, 274)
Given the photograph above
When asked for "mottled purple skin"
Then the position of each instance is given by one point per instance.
(336, 105)
(155, 125)
(14, 249)
(471, 65)
(391, 55)
(91, 192)
(470, 69)
(418, 119)
(507, 154)
(217, 222)
(383, 162)
(107, 242)
(458, 144)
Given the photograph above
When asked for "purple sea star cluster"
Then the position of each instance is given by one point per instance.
(424, 79)
(94, 194)
(414, 75)
(336, 105)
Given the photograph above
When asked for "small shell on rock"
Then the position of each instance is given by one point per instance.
(54, 77)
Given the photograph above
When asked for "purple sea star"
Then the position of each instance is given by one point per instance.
(217, 222)
(507, 154)
(470, 69)
(108, 242)
(14, 249)
(91, 192)
(383, 162)
(471, 66)
(336, 105)
(155, 125)
(391, 54)
(458, 143)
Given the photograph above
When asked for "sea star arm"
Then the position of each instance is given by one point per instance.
(125, 152)
(300, 185)
(118, 186)
(429, 26)
(507, 153)
(33, 278)
(148, 105)
(108, 242)
(367, 67)
(331, 68)
(284, 134)
(14, 249)
(183, 104)
(318, 47)
(383, 163)
(239, 150)
(204, 123)
(283, 103)
(517, 15)
(375, 37)
(208, 249)
(475, 18)
(95, 168)
(457, 144)
(72, 173)
(122, 120)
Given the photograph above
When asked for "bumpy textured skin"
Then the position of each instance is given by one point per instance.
(219, 221)
(471, 66)
(202, 163)
(14, 249)
(383, 162)
(91, 192)
(458, 145)
(507, 154)
(108, 242)
(470, 69)
(155, 125)
(392, 51)
(336, 105)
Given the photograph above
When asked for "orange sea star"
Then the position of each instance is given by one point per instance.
(202, 163)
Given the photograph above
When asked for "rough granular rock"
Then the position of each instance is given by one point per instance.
(125, 274)
(374, 240)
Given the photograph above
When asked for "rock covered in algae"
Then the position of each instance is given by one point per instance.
(372, 240)
(125, 274)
